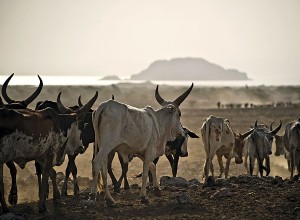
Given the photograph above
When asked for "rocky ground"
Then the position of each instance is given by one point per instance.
(242, 197)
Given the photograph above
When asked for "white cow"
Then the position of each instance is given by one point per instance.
(218, 138)
(127, 129)
(258, 145)
(289, 145)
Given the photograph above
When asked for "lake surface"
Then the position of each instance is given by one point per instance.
(95, 80)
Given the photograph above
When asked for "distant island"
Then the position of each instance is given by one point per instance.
(110, 78)
(188, 69)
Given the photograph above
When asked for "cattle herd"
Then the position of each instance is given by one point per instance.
(52, 130)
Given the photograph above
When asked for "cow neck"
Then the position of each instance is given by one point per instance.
(65, 121)
(164, 128)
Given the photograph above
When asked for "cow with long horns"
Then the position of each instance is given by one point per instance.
(44, 136)
(289, 145)
(127, 129)
(259, 146)
(13, 104)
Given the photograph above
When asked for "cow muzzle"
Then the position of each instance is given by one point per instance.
(183, 154)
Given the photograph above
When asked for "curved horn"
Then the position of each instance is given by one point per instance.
(271, 126)
(273, 132)
(243, 136)
(88, 105)
(255, 125)
(4, 87)
(35, 94)
(62, 109)
(1, 103)
(159, 99)
(181, 98)
(79, 101)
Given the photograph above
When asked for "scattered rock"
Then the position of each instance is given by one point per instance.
(210, 182)
(134, 186)
(221, 193)
(173, 181)
(11, 216)
(193, 182)
(60, 176)
(181, 198)
(83, 181)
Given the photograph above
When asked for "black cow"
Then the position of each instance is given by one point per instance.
(88, 136)
(13, 104)
(43, 136)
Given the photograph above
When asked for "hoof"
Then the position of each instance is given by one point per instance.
(157, 192)
(126, 187)
(145, 200)
(42, 209)
(117, 189)
(76, 190)
(13, 199)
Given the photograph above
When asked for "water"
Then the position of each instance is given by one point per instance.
(96, 80)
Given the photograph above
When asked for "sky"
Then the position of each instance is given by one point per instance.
(111, 37)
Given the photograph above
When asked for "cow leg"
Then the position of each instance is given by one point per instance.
(251, 164)
(124, 167)
(3, 203)
(13, 194)
(152, 169)
(108, 198)
(268, 166)
(56, 194)
(144, 198)
(45, 176)
(208, 165)
(100, 162)
(219, 157)
(74, 174)
(38, 168)
(246, 164)
(292, 149)
(64, 189)
(171, 161)
(117, 186)
(227, 167)
(175, 165)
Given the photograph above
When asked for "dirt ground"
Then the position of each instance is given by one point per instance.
(244, 197)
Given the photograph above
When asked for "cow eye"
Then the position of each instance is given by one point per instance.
(179, 114)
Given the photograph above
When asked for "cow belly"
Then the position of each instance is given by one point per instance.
(18, 145)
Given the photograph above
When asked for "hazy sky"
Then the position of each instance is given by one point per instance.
(259, 37)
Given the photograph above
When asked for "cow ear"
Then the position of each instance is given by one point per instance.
(193, 135)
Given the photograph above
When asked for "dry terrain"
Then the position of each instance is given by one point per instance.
(239, 197)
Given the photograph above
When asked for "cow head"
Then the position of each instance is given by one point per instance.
(171, 115)
(177, 102)
(187, 134)
(20, 104)
(75, 132)
(239, 145)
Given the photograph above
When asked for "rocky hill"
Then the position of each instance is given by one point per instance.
(188, 69)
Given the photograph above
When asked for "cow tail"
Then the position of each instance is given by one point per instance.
(207, 134)
(260, 163)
